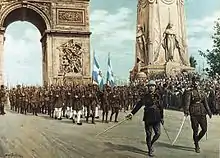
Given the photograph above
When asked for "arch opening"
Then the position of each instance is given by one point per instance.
(22, 55)
(23, 22)
(25, 14)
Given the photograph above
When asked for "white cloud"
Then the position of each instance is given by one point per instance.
(115, 33)
(22, 54)
(199, 33)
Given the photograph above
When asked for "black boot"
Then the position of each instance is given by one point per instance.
(197, 148)
(150, 152)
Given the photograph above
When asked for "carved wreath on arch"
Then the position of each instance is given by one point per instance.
(70, 57)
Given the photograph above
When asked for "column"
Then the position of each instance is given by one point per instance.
(150, 37)
(2, 38)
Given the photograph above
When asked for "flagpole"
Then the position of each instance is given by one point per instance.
(107, 78)
(93, 56)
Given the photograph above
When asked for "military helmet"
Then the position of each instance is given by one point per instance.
(151, 83)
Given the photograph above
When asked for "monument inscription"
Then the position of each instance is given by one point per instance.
(70, 17)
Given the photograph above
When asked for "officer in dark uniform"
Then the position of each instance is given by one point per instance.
(153, 114)
(197, 107)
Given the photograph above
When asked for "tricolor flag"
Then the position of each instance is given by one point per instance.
(97, 74)
(110, 76)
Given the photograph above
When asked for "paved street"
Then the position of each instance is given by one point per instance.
(42, 137)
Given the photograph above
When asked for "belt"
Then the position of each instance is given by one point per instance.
(197, 102)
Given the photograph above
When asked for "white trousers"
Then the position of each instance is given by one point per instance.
(68, 112)
(58, 112)
(79, 116)
(96, 111)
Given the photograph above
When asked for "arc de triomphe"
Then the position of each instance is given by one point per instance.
(64, 27)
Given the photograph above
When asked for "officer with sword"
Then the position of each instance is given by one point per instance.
(196, 106)
(153, 114)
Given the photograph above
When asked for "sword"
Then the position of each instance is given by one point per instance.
(111, 127)
(206, 136)
(167, 134)
(184, 119)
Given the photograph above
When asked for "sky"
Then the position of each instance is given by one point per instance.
(113, 27)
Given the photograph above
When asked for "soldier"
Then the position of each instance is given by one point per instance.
(77, 108)
(105, 105)
(210, 94)
(34, 101)
(217, 100)
(3, 100)
(58, 102)
(91, 104)
(196, 106)
(153, 114)
(115, 104)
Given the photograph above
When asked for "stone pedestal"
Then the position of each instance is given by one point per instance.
(170, 69)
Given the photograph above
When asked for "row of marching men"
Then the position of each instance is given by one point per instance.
(74, 102)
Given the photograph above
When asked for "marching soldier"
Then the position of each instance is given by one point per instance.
(105, 105)
(115, 104)
(3, 100)
(197, 107)
(210, 94)
(153, 114)
(58, 102)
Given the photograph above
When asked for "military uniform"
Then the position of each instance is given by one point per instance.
(197, 107)
(115, 104)
(105, 106)
(153, 115)
(3, 99)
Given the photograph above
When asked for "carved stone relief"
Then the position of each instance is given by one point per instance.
(70, 57)
(70, 17)
(44, 6)
(168, 1)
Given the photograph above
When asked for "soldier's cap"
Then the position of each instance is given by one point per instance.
(151, 83)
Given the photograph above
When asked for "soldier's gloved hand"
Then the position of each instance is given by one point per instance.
(162, 121)
(186, 114)
(129, 116)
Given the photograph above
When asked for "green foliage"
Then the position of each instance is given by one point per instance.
(192, 61)
(213, 56)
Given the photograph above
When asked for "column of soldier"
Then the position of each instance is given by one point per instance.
(84, 101)
(74, 102)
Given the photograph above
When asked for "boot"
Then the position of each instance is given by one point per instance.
(197, 148)
(93, 120)
(150, 152)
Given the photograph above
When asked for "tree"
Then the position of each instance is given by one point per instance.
(192, 61)
(213, 56)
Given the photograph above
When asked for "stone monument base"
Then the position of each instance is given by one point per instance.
(169, 68)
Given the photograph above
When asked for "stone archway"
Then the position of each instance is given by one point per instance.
(64, 27)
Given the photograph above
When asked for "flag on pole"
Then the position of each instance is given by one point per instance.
(110, 76)
(97, 74)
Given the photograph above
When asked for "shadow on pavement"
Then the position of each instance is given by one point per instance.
(125, 148)
(178, 147)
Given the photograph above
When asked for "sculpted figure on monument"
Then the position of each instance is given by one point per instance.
(170, 43)
(71, 57)
(141, 47)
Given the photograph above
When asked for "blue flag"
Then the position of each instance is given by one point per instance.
(110, 76)
(97, 74)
